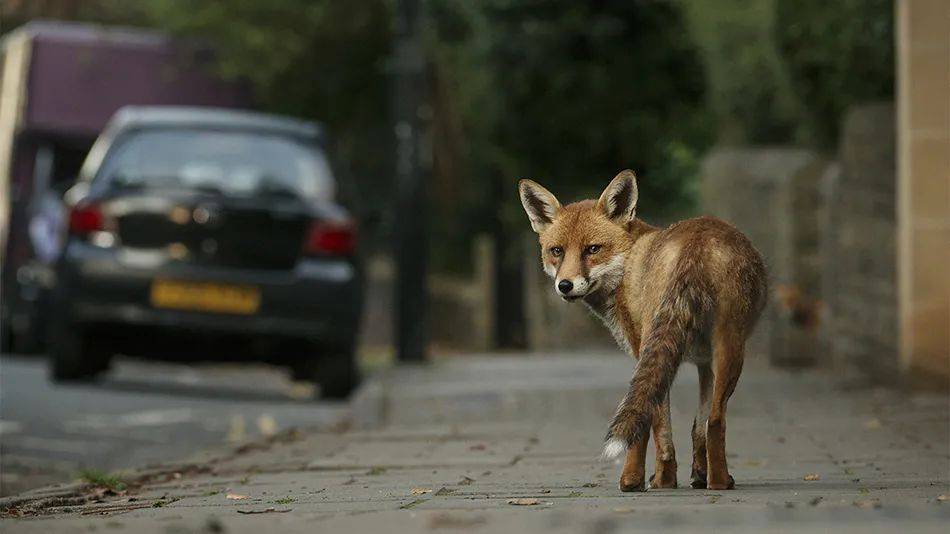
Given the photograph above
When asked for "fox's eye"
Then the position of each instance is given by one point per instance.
(557, 251)
(592, 249)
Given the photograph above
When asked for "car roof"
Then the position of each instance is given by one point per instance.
(133, 117)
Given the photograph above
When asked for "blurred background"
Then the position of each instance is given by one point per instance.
(349, 199)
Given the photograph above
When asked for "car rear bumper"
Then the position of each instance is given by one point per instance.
(318, 300)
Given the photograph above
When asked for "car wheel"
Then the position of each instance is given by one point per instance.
(71, 356)
(334, 371)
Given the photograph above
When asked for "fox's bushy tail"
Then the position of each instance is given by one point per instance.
(683, 311)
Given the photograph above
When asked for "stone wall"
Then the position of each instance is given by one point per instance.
(861, 283)
(774, 196)
(827, 232)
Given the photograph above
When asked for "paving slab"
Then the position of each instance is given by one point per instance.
(511, 444)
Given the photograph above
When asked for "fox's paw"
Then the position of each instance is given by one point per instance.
(697, 480)
(628, 484)
(663, 481)
(729, 484)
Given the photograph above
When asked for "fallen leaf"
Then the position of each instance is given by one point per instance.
(420, 491)
(271, 510)
(812, 477)
(267, 425)
(524, 502)
(466, 481)
(444, 491)
(943, 498)
(624, 509)
(236, 497)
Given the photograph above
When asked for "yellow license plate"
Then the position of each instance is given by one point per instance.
(206, 297)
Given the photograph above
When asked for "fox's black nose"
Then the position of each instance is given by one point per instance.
(565, 286)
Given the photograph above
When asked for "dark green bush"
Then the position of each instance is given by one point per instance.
(837, 54)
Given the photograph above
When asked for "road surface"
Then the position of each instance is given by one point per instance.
(140, 413)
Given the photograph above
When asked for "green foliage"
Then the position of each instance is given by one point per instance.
(748, 90)
(567, 93)
(570, 93)
(587, 89)
(785, 71)
(97, 477)
(837, 54)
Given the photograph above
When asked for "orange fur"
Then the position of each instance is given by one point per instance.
(693, 291)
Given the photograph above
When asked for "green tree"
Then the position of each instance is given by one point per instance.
(837, 54)
(570, 92)
(749, 92)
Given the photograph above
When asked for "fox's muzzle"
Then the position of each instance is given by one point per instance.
(571, 289)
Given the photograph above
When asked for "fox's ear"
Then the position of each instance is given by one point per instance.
(619, 200)
(539, 203)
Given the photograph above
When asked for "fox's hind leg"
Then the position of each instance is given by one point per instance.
(665, 476)
(698, 473)
(727, 365)
(634, 467)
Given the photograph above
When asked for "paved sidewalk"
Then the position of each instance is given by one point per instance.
(511, 444)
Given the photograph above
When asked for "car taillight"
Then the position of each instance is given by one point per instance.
(85, 219)
(331, 238)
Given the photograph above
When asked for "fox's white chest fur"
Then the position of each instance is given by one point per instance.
(603, 304)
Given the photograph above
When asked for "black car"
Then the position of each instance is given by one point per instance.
(198, 231)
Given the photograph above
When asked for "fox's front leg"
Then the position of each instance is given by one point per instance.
(665, 476)
(634, 467)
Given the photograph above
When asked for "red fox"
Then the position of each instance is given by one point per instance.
(693, 291)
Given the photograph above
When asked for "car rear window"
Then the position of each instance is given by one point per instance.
(237, 163)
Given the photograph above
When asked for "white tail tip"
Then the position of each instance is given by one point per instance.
(614, 448)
